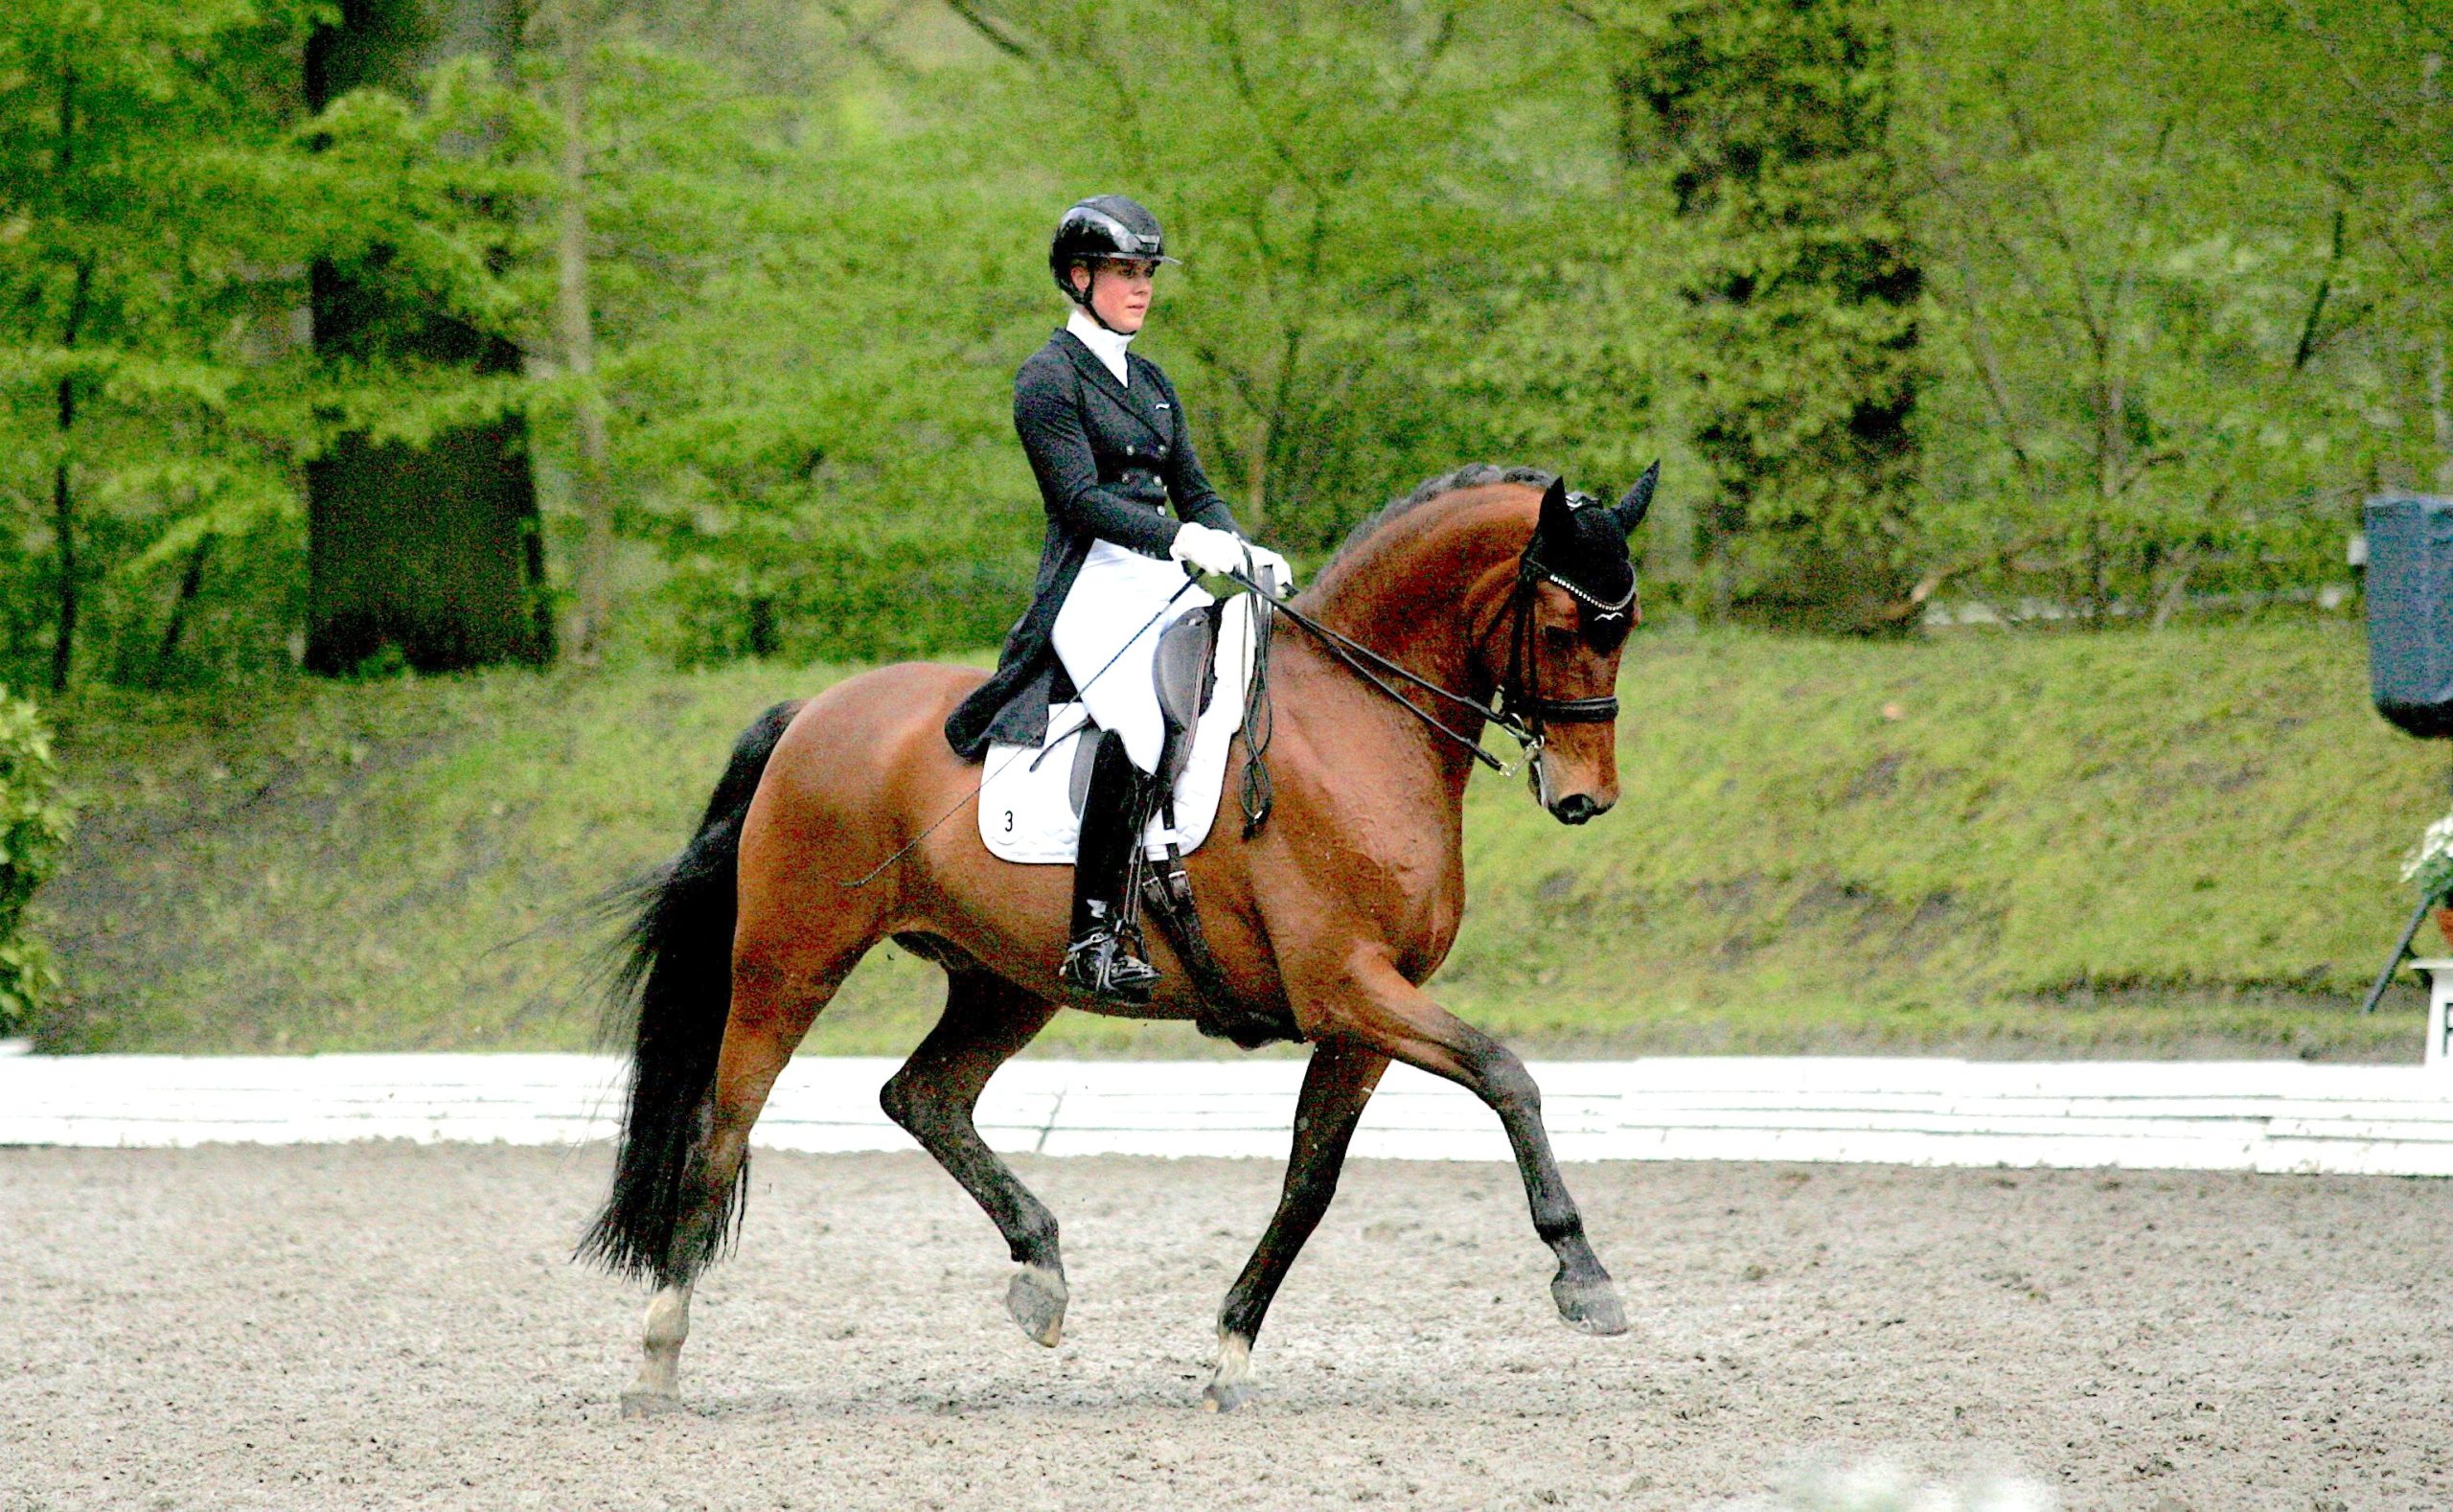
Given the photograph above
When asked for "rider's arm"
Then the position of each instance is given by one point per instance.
(1187, 486)
(1047, 415)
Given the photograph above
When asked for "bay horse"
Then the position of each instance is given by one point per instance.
(1481, 586)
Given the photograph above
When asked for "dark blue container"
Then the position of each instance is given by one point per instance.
(2409, 612)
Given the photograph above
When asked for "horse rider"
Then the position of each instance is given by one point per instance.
(1108, 442)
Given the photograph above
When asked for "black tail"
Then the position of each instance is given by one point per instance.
(671, 994)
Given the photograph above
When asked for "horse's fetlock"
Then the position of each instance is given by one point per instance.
(1035, 1241)
(668, 1317)
(1241, 1317)
(1557, 1230)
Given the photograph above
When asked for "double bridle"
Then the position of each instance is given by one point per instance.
(1518, 705)
(1519, 690)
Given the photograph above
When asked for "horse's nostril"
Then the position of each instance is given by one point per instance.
(1574, 809)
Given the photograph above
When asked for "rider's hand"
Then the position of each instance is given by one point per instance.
(1268, 567)
(1206, 548)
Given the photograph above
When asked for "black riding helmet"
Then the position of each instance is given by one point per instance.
(1101, 227)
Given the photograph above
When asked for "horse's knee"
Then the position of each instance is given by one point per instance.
(1559, 1228)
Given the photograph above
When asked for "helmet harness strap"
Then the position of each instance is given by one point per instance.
(1086, 295)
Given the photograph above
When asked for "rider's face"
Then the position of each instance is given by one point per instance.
(1121, 293)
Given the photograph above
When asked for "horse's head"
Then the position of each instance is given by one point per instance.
(1555, 654)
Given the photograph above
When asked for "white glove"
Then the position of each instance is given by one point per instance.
(1209, 549)
(1269, 569)
(1206, 548)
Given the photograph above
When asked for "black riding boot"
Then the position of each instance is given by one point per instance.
(1104, 957)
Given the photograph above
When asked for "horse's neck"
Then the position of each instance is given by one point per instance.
(1419, 589)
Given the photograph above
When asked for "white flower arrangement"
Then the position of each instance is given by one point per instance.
(2431, 865)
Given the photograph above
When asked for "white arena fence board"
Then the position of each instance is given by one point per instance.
(2241, 1115)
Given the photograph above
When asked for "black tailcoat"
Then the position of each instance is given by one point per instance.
(1110, 458)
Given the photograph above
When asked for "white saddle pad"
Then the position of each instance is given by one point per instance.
(1026, 802)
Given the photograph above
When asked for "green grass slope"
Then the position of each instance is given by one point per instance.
(2123, 843)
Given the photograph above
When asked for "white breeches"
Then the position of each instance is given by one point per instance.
(1107, 636)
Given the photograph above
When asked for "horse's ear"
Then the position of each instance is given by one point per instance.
(1555, 516)
(1629, 512)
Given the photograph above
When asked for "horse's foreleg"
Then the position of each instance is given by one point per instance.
(987, 1019)
(1336, 1086)
(1384, 1010)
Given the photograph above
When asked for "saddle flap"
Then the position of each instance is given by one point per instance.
(1077, 783)
(1183, 670)
(1030, 797)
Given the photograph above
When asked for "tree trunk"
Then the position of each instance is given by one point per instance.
(174, 626)
(63, 500)
(2440, 415)
(434, 549)
(594, 578)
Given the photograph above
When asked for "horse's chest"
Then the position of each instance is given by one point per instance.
(1415, 891)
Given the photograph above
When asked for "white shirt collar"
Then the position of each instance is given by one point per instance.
(1107, 345)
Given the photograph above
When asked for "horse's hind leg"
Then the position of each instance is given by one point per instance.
(1336, 1086)
(777, 993)
(987, 1019)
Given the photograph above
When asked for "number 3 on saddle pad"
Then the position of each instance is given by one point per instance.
(1026, 799)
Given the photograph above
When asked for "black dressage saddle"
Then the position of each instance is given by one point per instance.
(1184, 671)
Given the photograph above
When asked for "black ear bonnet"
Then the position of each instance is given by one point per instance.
(1583, 546)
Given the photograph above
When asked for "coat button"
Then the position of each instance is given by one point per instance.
(1128, 451)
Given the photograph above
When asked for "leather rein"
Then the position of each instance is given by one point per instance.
(1517, 707)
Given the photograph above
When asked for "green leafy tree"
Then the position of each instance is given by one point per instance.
(806, 353)
(427, 542)
(1771, 122)
(35, 818)
(2159, 304)
(141, 398)
(1392, 215)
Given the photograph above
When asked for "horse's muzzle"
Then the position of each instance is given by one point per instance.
(1577, 808)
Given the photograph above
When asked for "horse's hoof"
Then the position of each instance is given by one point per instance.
(1590, 1307)
(1231, 1384)
(1036, 1300)
(650, 1403)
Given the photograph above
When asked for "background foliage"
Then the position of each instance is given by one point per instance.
(2148, 295)
(2183, 273)
(34, 829)
(1971, 841)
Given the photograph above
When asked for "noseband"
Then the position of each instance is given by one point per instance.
(1520, 689)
